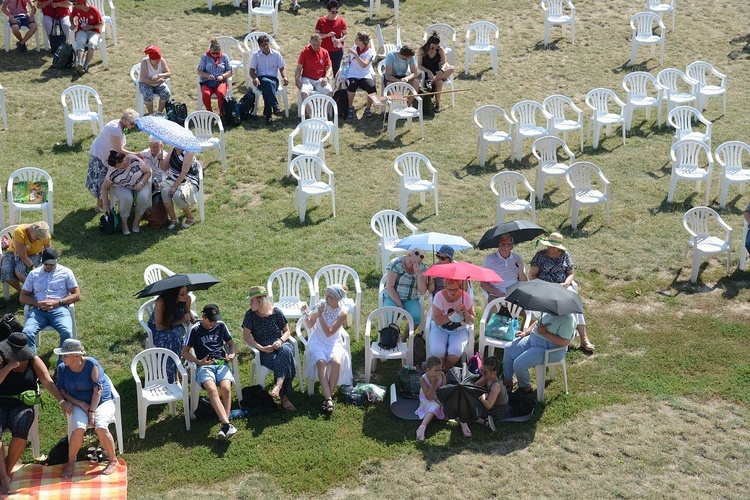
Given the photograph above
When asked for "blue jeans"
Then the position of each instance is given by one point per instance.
(747, 241)
(58, 318)
(411, 306)
(268, 86)
(526, 353)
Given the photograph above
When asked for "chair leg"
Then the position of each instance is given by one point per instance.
(696, 265)
(223, 152)
(633, 48)
(540, 369)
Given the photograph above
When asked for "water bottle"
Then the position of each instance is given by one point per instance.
(240, 413)
(345, 70)
(514, 325)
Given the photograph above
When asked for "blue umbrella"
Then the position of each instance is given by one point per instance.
(169, 132)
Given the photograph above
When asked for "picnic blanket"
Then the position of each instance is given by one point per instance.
(35, 481)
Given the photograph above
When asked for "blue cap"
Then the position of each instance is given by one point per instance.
(446, 250)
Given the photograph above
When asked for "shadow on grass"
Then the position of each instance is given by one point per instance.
(218, 9)
(664, 171)
(627, 68)
(668, 207)
(539, 46)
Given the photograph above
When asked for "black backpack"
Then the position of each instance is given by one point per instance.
(232, 116)
(342, 101)
(63, 57)
(257, 401)
(247, 105)
(9, 324)
(176, 112)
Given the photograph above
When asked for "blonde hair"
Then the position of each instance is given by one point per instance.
(40, 230)
(130, 115)
(266, 306)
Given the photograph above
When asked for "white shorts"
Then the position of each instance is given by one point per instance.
(87, 38)
(309, 86)
(104, 415)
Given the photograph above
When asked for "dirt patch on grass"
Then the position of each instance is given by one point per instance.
(252, 190)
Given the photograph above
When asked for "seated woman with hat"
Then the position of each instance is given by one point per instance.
(21, 371)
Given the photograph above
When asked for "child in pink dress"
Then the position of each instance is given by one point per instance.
(429, 405)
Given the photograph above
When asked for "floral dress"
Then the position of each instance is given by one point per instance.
(429, 405)
(323, 347)
(170, 339)
(267, 330)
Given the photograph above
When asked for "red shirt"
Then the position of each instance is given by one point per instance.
(91, 16)
(313, 63)
(325, 26)
(56, 12)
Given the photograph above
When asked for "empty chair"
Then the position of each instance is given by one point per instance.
(482, 37)
(554, 15)
(3, 111)
(399, 109)
(548, 162)
(80, 111)
(669, 80)
(730, 156)
(662, 7)
(339, 274)
(313, 133)
(384, 225)
(377, 320)
(688, 165)
(292, 293)
(642, 27)
(682, 118)
(108, 18)
(487, 119)
(385, 48)
(9, 32)
(202, 124)
(322, 107)
(154, 388)
(561, 123)
(524, 116)
(704, 73)
(599, 102)
(375, 4)
(236, 54)
(642, 92)
(447, 36)
(309, 170)
(266, 8)
(28, 189)
(408, 167)
(583, 177)
(504, 186)
(697, 222)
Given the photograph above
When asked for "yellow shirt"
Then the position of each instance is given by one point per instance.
(31, 248)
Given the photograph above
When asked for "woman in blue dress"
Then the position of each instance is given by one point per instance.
(167, 323)
(266, 329)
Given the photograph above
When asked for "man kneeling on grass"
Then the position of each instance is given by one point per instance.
(207, 339)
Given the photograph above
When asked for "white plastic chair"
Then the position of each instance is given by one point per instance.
(697, 222)
(524, 116)
(49, 328)
(548, 162)
(203, 123)
(259, 373)
(8, 233)
(144, 313)
(321, 107)
(313, 133)
(9, 32)
(108, 18)
(156, 272)
(289, 282)
(408, 167)
(669, 80)
(382, 294)
(490, 309)
(31, 174)
(118, 416)
(229, 93)
(308, 170)
(267, 8)
(154, 387)
(486, 41)
(598, 100)
(195, 387)
(281, 91)
(682, 118)
(687, 165)
(399, 109)
(377, 320)
(232, 48)
(303, 339)
(339, 274)
(3, 111)
(701, 71)
(504, 186)
(542, 369)
(662, 7)
(730, 158)
(487, 119)
(468, 351)
(636, 86)
(561, 124)
(200, 195)
(375, 4)
(554, 15)
(135, 75)
(80, 111)
(251, 47)
(642, 27)
(447, 36)
(384, 225)
(581, 177)
(743, 250)
(385, 48)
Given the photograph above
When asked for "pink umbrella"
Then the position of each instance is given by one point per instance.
(463, 271)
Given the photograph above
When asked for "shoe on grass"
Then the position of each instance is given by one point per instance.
(229, 431)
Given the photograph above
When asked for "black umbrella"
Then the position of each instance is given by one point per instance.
(460, 397)
(538, 295)
(193, 281)
(520, 230)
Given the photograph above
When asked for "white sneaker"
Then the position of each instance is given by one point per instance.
(221, 435)
(231, 431)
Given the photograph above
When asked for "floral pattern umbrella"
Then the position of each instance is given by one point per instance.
(169, 132)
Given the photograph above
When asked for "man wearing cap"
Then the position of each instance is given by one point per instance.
(88, 22)
(48, 291)
(507, 264)
(207, 339)
(264, 70)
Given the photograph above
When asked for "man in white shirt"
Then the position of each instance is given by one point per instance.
(264, 69)
(507, 264)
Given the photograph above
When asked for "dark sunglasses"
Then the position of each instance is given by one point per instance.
(420, 255)
(442, 257)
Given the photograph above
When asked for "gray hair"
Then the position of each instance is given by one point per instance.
(130, 115)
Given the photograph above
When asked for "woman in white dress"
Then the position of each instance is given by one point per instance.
(326, 356)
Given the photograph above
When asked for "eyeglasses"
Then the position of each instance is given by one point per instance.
(333, 11)
(420, 255)
(442, 257)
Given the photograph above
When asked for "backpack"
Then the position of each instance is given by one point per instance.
(156, 215)
(59, 453)
(9, 324)
(110, 223)
(342, 101)
(232, 116)
(257, 401)
(407, 382)
(176, 112)
(247, 105)
(63, 57)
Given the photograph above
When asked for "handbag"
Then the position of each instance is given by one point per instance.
(475, 363)
(388, 336)
(420, 349)
(501, 327)
(56, 35)
(353, 395)
(407, 382)
(110, 223)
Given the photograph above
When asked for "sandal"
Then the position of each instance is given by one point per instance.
(288, 406)
(173, 224)
(328, 405)
(188, 223)
(587, 346)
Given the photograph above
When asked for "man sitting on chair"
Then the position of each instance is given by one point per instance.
(314, 71)
(507, 264)
(266, 65)
(89, 23)
(48, 291)
(207, 339)
(400, 66)
(21, 13)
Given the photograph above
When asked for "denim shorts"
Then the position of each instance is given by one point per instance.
(216, 373)
(23, 21)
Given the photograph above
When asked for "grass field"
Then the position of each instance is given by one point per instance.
(659, 410)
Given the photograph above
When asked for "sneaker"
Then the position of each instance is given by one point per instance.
(229, 431)
(490, 423)
(436, 109)
(222, 435)
(79, 69)
(368, 113)
(276, 110)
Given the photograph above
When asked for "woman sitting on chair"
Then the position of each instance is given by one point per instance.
(214, 71)
(360, 75)
(153, 80)
(325, 349)
(452, 310)
(167, 323)
(405, 283)
(21, 371)
(179, 186)
(24, 253)
(432, 63)
(127, 176)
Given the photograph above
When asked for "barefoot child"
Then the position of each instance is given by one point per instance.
(429, 405)
(496, 400)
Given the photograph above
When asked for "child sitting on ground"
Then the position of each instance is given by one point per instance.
(496, 400)
(429, 405)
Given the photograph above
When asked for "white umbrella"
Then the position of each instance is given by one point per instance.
(433, 240)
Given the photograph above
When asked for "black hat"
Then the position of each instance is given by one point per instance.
(212, 312)
(50, 256)
(16, 347)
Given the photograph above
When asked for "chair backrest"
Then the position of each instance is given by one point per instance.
(408, 165)
(384, 316)
(682, 117)
(404, 89)
(485, 33)
(524, 112)
(688, 152)
(545, 150)
(642, 24)
(79, 96)
(699, 71)
(446, 33)
(637, 83)
(267, 4)
(698, 220)
(669, 79)
(203, 122)
(228, 44)
(153, 364)
(505, 184)
(384, 224)
(497, 304)
(581, 173)
(8, 231)
(320, 106)
(144, 313)
(555, 106)
(289, 281)
(155, 272)
(135, 73)
(655, 3)
(314, 131)
(554, 8)
(598, 100)
(306, 168)
(729, 155)
(28, 175)
(487, 117)
(251, 42)
(337, 274)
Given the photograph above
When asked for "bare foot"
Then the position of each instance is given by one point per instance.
(275, 392)
(111, 467)
(67, 472)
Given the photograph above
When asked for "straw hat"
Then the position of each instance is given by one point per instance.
(257, 291)
(554, 240)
